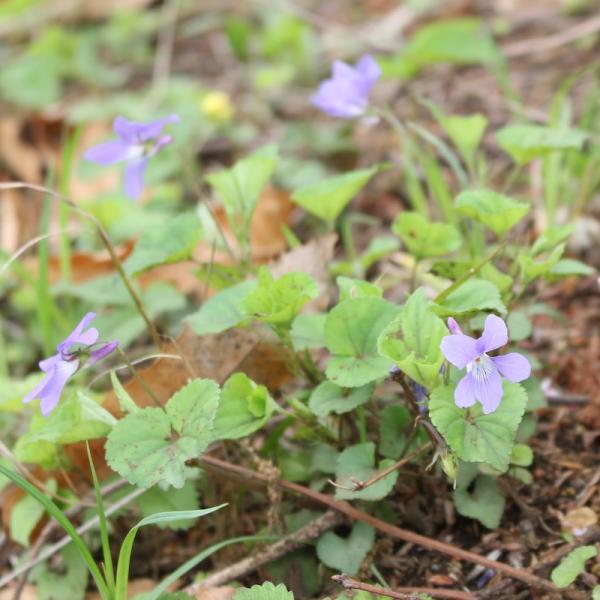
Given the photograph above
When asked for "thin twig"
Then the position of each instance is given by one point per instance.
(288, 544)
(216, 464)
(468, 274)
(550, 42)
(361, 485)
(403, 593)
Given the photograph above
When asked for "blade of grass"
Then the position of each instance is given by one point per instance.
(127, 545)
(109, 573)
(198, 558)
(55, 512)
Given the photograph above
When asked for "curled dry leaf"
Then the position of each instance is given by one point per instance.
(579, 520)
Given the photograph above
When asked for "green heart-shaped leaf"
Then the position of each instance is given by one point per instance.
(476, 437)
(351, 332)
(346, 554)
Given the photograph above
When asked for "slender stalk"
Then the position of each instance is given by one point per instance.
(406, 593)
(362, 424)
(468, 274)
(146, 387)
(105, 240)
(361, 485)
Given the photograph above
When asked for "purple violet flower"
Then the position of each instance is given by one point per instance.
(137, 143)
(346, 94)
(482, 382)
(63, 365)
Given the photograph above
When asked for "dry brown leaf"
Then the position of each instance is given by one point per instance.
(20, 157)
(313, 259)
(579, 520)
(273, 210)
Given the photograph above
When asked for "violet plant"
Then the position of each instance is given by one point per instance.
(461, 266)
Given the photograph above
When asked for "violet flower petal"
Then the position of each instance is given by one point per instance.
(369, 71)
(109, 153)
(127, 130)
(134, 177)
(50, 388)
(453, 326)
(514, 366)
(495, 334)
(50, 395)
(459, 349)
(464, 394)
(149, 131)
(338, 100)
(47, 364)
(488, 391)
(101, 352)
(79, 336)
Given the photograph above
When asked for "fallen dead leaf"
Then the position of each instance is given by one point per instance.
(579, 520)
(273, 210)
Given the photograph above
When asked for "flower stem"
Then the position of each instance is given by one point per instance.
(468, 274)
(105, 240)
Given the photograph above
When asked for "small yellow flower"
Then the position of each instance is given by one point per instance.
(217, 107)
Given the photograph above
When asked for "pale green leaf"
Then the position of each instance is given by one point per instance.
(572, 565)
(413, 340)
(356, 288)
(153, 445)
(244, 408)
(278, 301)
(461, 41)
(496, 211)
(266, 591)
(521, 455)
(465, 131)
(476, 437)
(328, 398)
(26, 514)
(472, 296)
(346, 554)
(485, 503)
(328, 198)
(308, 331)
(533, 268)
(126, 402)
(357, 463)
(519, 326)
(223, 310)
(425, 238)
(569, 267)
(351, 332)
(173, 241)
(525, 142)
(241, 185)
